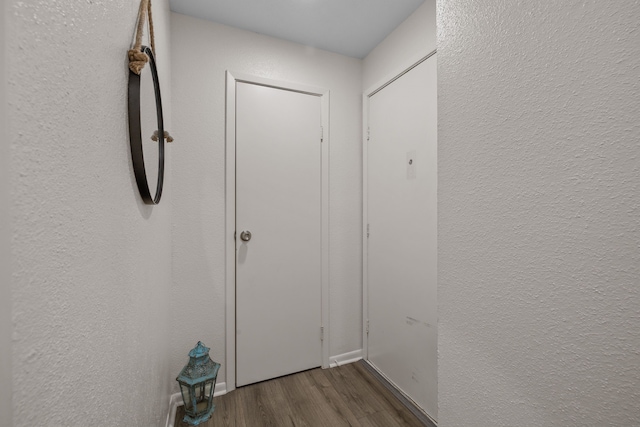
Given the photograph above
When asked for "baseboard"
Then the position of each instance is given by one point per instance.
(412, 406)
(221, 388)
(176, 400)
(344, 358)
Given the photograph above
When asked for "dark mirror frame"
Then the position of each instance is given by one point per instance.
(135, 132)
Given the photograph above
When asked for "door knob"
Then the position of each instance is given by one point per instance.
(245, 236)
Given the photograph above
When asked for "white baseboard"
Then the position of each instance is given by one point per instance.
(344, 358)
(176, 400)
(221, 388)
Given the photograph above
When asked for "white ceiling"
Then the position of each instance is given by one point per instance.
(349, 27)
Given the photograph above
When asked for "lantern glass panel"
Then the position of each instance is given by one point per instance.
(208, 389)
(201, 403)
(186, 396)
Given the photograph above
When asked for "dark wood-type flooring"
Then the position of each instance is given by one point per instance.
(344, 396)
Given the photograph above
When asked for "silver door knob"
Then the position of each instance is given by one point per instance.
(245, 236)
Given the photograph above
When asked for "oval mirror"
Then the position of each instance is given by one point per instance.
(146, 130)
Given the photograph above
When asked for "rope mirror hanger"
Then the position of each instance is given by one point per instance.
(140, 55)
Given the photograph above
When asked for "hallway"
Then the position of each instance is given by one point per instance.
(538, 215)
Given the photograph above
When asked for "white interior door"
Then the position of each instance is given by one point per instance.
(278, 200)
(402, 243)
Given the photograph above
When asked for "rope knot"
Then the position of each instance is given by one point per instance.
(168, 137)
(137, 60)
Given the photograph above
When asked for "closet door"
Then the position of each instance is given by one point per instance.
(278, 227)
(402, 243)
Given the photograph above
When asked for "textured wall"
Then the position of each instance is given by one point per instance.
(91, 263)
(5, 239)
(414, 37)
(539, 213)
(199, 200)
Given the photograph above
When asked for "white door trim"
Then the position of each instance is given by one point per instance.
(372, 90)
(230, 213)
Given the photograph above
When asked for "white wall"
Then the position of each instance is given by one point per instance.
(539, 204)
(201, 52)
(5, 240)
(414, 38)
(91, 263)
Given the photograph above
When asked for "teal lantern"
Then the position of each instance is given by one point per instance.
(197, 383)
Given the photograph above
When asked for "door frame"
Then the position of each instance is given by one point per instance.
(230, 213)
(372, 90)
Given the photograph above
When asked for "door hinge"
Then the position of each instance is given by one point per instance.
(367, 326)
(367, 231)
(321, 134)
(321, 333)
(368, 133)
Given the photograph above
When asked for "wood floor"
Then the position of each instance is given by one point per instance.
(344, 396)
